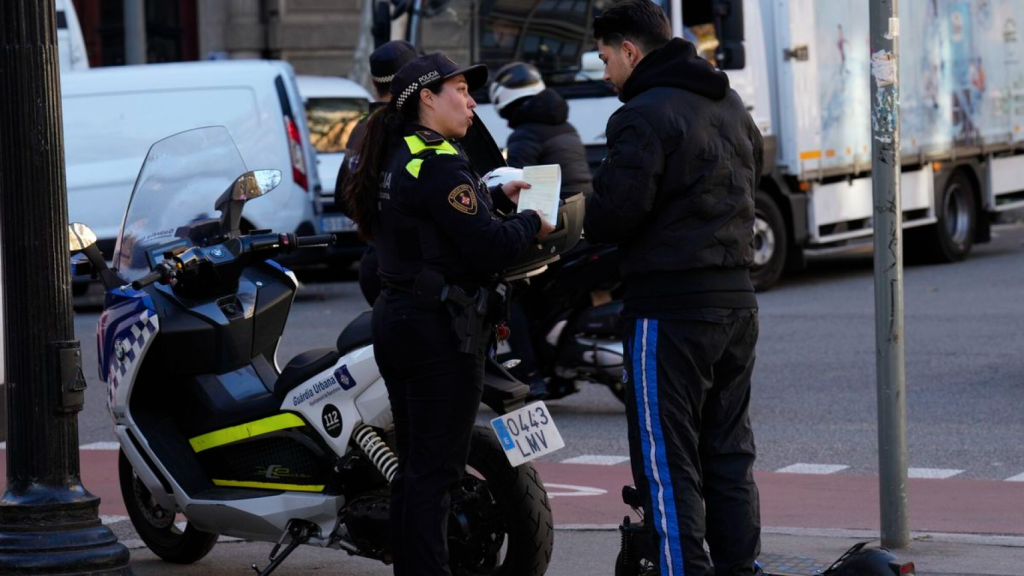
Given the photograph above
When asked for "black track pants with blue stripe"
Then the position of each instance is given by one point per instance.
(691, 443)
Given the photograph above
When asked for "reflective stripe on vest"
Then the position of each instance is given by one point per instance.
(417, 146)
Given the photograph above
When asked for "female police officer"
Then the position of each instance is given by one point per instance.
(440, 244)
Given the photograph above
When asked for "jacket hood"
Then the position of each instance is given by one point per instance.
(547, 107)
(676, 65)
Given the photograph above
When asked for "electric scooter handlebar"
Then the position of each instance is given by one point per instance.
(269, 244)
(313, 241)
(163, 274)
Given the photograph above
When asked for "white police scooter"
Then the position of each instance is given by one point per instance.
(212, 429)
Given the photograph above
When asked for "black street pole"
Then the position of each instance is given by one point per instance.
(49, 522)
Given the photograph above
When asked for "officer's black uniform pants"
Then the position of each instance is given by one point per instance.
(691, 444)
(435, 393)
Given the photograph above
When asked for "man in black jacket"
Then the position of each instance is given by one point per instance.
(541, 133)
(676, 193)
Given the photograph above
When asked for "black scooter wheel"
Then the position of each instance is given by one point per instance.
(511, 509)
(156, 525)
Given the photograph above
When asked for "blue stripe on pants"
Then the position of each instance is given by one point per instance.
(663, 504)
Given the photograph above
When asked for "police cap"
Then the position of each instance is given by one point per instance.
(432, 69)
(389, 59)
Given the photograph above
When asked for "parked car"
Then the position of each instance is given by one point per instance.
(113, 115)
(333, 108)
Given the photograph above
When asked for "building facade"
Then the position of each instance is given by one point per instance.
(319, 37)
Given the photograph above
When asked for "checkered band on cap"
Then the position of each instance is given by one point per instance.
(409, 91)
(383, 79)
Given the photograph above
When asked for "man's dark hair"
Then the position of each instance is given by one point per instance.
(642, 22)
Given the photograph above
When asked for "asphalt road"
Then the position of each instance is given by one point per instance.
(814, 385)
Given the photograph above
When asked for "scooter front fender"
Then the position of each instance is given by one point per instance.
(146, 475)
(502, 392)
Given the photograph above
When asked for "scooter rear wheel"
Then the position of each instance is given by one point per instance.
(156, 526)
(511, 511)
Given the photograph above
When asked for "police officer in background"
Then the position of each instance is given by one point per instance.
(385, 62)
(541, 133)
(441, 244)
(676, 193)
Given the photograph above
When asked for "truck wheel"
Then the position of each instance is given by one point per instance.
(156, 526)
(770, 242)
(952, 237)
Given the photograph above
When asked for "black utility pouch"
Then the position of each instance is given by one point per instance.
(427, 289)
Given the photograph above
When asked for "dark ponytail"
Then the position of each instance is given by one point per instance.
(362, 190)
(363, 187)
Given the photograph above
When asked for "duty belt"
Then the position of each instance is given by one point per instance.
(469, 312)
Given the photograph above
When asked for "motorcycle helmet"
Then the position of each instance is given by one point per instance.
(502, 176)
(862, 561)
(514, 81)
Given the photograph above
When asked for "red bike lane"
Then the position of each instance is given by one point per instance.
(589, 495)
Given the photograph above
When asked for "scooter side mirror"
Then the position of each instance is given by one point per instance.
(246, 187)
(255, 184)
(80, 237)
(86, 258)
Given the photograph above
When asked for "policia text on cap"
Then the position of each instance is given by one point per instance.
(441, 243)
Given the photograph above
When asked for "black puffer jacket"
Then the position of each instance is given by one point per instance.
(676, 190)
(541, 134)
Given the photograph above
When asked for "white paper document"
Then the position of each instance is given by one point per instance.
(544, 192)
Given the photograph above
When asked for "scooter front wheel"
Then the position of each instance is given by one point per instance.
(155, 525)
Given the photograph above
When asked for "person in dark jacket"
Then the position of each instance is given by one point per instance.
(385, 62)
(676, 193)
(541, 133)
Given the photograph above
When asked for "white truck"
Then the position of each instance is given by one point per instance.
(803, 68)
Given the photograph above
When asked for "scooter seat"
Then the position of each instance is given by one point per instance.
(357, 334)
(302, 368)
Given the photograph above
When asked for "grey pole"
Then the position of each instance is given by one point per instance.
(888, 232)
(135, 32)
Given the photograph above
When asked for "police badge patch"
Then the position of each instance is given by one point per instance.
(463, 199)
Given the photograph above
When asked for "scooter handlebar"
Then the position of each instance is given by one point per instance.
(163, 273)
(320, 240)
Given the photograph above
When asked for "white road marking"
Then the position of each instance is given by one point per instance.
(802, 468)
(934, 473)
(101, 446)
(572, 490)
(597, 460)
(1017, 478)
(112, 519)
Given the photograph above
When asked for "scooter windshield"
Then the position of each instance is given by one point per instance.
(179, 183)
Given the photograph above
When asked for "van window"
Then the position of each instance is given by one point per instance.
(331, 121)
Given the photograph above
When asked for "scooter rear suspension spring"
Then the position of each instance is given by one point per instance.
(377, 451)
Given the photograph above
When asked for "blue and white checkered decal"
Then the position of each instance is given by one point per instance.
(123, 332)
(133, 342)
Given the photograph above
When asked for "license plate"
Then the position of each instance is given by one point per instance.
(527, 433)
(337, 224)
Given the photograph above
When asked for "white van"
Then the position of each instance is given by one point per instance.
(333, 107)
(70, 44)
(113, 115)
